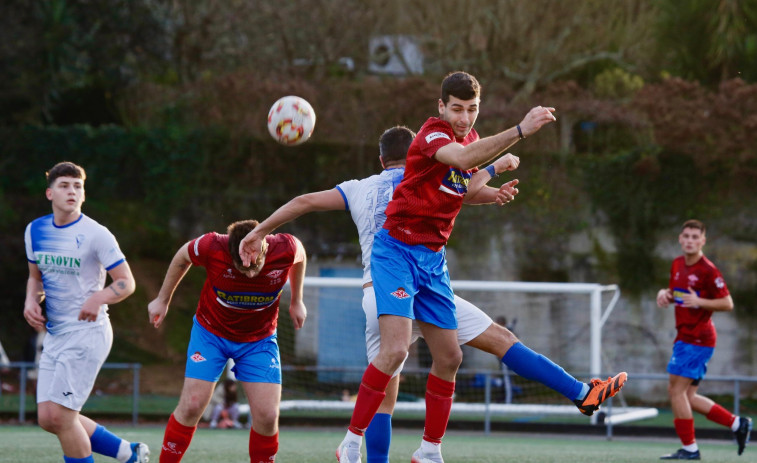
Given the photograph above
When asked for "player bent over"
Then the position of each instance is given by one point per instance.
(68, 255)
(697, 289)
(236, 319)
(366, 200)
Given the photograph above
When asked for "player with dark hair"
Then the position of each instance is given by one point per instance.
(236, 319)
(408, 262)
(68, 256)
(366, 200)
(697, 289)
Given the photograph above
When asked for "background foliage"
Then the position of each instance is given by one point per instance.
(164, 101)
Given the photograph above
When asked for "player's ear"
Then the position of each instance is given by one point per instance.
(441, 106)
(49, 194)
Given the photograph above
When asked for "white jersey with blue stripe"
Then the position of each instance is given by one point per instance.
(73, 260)
(366, 201)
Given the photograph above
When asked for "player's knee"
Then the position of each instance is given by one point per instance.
(190, 410)
(394, 356)
(50, 421)
(266, 420)
(449, 360)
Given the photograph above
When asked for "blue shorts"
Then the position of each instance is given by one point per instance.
(412, 282)
(254, 362)
(689, 361)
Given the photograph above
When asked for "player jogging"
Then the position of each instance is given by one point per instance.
(697, 289)
(366, 200)
(68, 255)
(236, 319)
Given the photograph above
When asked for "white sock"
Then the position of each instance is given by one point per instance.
(584, 392)
(124, 451)
(691, 447)
(431, 448)
(736, 424)
(353, 438)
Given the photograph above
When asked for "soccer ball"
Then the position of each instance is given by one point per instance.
(291, 120)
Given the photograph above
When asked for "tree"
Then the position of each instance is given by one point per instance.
(706, 40)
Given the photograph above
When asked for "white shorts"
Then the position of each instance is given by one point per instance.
(69, 365)
(471, 322)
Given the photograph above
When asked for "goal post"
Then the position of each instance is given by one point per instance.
(598, 314)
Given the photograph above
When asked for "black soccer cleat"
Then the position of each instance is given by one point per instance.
(742, 434)
(682, 454)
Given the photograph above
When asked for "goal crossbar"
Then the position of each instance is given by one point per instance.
(598, 314)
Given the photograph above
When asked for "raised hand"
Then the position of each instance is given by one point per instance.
(536, 118)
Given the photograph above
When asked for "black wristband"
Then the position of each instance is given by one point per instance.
(520, 132)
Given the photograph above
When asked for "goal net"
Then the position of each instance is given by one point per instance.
(324, 362)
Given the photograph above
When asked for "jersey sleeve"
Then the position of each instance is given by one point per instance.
(434, 136)
(107, 250)
(718, 288)
(347, 189)
(198, 249)
(299, 250)
(28, 245)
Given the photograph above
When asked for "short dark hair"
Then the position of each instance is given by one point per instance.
(461, 85)
(237, 231)
(64, 169)
(693, 223)
(394, 143)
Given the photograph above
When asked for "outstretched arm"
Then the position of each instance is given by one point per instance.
(326, 200)
(179, 266)
(486, 149)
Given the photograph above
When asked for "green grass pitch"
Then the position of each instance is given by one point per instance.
(29, 444)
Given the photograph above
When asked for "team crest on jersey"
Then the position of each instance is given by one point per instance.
(274, 273)
(229, 273)
(197, 357)
(400, 293)
(693, 279)
(434, 135)
(79, 240)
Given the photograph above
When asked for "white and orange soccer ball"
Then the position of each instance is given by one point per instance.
(291, 120)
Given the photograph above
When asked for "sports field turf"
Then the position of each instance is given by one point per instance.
(29, 444)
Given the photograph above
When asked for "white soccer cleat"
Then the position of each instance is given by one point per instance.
(420, 457)
(348, 452)
(140, 453)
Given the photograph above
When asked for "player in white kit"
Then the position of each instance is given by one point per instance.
(68, 256)
(366, 200)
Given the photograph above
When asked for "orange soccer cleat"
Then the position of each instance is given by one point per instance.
(599, 391)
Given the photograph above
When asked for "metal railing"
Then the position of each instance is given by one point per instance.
(489, 375)
(25, 367)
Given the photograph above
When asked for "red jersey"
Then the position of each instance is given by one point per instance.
(695, 325)
(231, 305)
(426, 202)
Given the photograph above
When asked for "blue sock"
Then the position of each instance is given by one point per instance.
(89, 459)
(378, 437)
(537, 367)
(105, 442)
